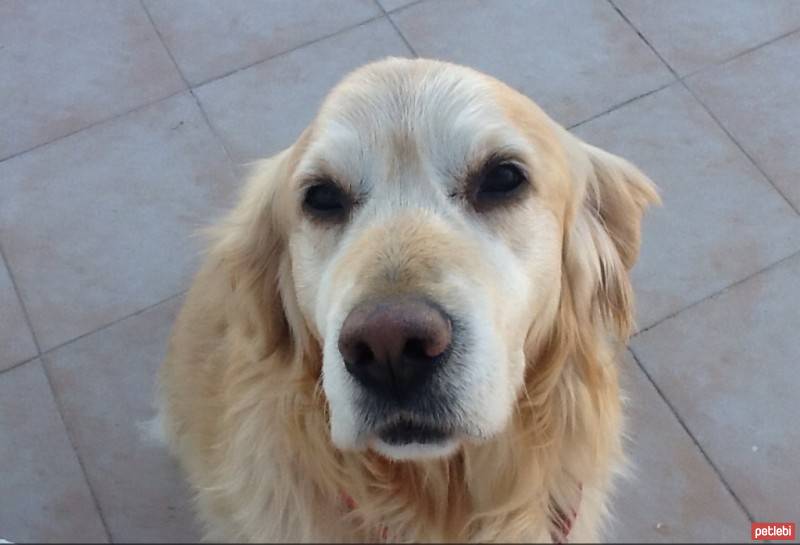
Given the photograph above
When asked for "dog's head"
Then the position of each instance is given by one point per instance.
(426, 232)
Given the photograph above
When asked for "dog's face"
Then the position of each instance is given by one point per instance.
(429, 207)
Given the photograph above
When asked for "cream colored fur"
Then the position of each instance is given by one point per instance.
(242, 391)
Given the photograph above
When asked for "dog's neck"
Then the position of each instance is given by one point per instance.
(561, 521)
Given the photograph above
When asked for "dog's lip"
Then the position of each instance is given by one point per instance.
(404, 432)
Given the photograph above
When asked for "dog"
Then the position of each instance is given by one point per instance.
(409, 327)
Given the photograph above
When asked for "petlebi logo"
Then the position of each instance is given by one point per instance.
(772, 531)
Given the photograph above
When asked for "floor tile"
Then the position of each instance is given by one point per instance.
(673, 494)
(391, 5)
(16, 340)
(755, 97)
(275, 100)
(67, 65)
(691, 35)
(575, 59)
(45, 498)
(237, 33)
(729, 366)
(711, 230)
(100, 224)
(105, 385)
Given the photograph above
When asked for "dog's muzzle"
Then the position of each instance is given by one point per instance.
(395, 348)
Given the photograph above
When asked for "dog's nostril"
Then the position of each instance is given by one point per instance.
(362, 354)
(416, 349)
(394, 344)
(424, 349)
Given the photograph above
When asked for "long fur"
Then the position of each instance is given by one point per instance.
(246, 415)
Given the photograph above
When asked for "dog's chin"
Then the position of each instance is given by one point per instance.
(408, 440)
(401, 440)
(415, 450)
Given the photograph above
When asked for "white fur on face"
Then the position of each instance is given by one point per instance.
(402, 146)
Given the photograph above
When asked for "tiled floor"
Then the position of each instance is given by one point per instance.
(123, 126)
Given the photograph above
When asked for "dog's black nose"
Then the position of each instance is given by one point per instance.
(394, 346)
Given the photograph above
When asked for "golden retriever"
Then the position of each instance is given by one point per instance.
(409, 327)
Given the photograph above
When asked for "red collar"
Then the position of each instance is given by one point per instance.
(562, 521)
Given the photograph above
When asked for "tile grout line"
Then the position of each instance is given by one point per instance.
(189, 87)
(59, 410)
(740, 54)
(688, 432)
(231, 163)
(613, 108)
(721, 291)
(43, 356)
(740, 147)
(705, 107)
(45, 367)
(93, 125)
(645, 40)
(164, 45)
(114, 322)
(71, 439)
(397, 29)
(286, 52)
(622, 104)
(25, 314)
(676, 79)
(19, 364)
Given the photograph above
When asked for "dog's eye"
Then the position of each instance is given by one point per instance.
(499, 182)
(326, 201)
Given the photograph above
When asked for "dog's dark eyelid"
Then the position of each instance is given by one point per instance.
(324, 197)
(500, 180)
(326, 200)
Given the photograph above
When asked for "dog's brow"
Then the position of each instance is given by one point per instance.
(320, 171)
(492, 157)
(311, 180)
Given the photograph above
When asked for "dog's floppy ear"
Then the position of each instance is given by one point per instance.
(618, 193)
(603, 242)
(249, 249)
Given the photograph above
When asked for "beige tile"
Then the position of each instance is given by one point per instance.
(105, 385)
(691, 35)
(711, 230)
(729, 366)
(67, 65)
(755, 97)
(673, 494)
(16, 340)
(210, 38)
(263, 109)
(575, 59)
(101, 224)
(43, 494)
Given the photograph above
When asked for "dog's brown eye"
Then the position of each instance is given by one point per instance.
(326, 201)
(499, 182)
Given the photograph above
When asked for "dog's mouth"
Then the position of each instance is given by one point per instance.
(405, 432)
